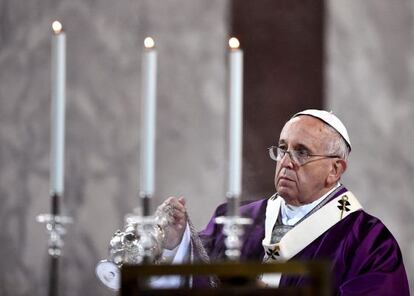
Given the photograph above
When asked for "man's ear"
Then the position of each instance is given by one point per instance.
(337, 169)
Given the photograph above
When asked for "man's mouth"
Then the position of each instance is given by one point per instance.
(284, 178)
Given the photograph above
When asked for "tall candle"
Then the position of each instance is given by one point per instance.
(148, 117)
(235, 119)
(58, 71)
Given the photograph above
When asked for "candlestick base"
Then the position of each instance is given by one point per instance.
(55, 227)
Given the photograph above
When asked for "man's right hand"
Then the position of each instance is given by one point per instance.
(175, 211)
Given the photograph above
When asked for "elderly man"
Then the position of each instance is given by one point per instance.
(311, 216)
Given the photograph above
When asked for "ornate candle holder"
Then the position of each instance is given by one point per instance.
(233, 230)
(233, 226)
(55, 227)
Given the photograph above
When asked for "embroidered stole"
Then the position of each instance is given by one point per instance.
(320, 219)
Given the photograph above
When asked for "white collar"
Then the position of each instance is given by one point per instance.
(292, 214)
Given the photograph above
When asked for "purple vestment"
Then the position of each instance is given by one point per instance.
(365, 257)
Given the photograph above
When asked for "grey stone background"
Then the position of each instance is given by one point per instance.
(369, 78)
(104, 44)
(370, 64)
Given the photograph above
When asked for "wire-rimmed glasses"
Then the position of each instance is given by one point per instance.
(299, 157)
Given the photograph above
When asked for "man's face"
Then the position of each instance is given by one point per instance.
(304, 184)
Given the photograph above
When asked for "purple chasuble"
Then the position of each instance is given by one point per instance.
(365, 258)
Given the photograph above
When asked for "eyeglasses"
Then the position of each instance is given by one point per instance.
(299, 157)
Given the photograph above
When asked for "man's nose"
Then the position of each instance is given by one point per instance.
(286, 160)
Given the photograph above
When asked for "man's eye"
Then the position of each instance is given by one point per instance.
(302, 153)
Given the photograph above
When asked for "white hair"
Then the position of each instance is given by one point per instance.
(338, 145)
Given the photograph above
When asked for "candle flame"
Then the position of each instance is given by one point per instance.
(234, 43)
(57, 27)
(149, 43)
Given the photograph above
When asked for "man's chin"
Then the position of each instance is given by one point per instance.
(286, 193)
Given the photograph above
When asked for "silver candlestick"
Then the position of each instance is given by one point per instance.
(55, 227)
(233, 228)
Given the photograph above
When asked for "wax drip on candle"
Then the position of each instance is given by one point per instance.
(149, 43)
(234, 43)
(57, 27)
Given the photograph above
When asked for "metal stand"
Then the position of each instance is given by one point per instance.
(55, 227)
(146, 205)
(144, 229)
(53, 276)
(233, 228)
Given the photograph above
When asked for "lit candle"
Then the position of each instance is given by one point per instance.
(236, 119)
(148, 117)
(58, 71)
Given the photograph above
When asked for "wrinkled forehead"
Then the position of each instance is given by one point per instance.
(305, 130)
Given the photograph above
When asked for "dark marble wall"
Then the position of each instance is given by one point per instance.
(104, 42)
(283, 43)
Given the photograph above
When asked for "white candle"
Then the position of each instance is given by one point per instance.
(148, 117)
(58, 71)
(235, 119)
